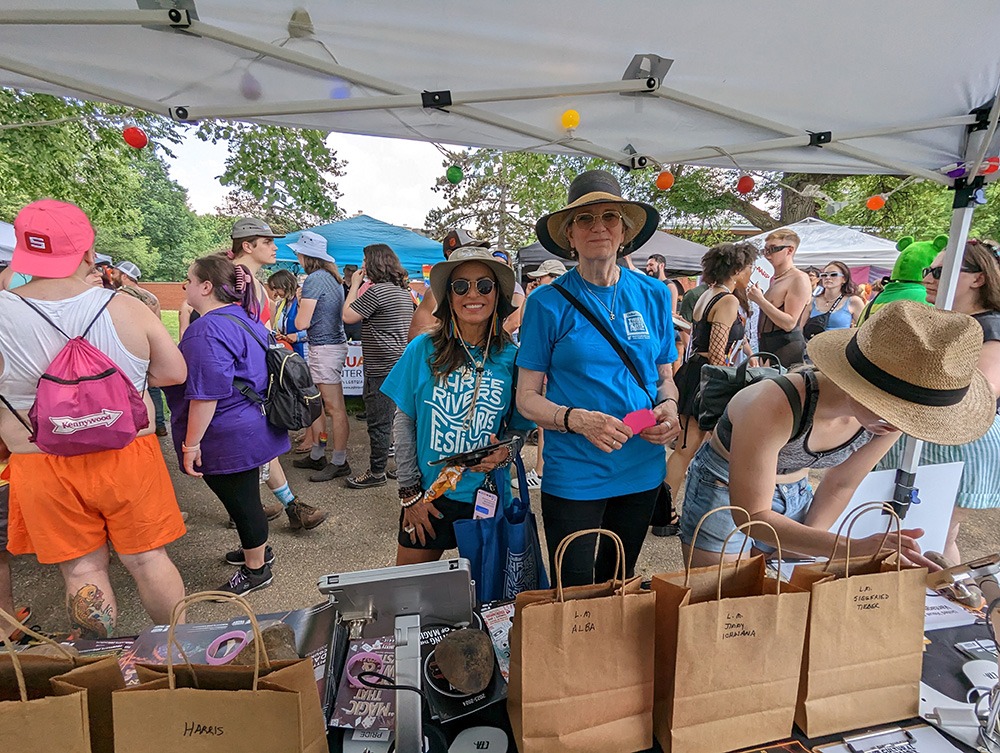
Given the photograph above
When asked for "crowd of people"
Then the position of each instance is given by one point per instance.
(601, 361)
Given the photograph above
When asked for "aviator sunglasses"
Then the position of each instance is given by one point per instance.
(484, 285)
(585, 220)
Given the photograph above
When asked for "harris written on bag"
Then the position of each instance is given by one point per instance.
(291, 401)
(84, 402)
(270, 707)
(865, 640)
(581, 665)
(728, 653)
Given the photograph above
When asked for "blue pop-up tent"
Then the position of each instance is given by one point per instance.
(347, 239)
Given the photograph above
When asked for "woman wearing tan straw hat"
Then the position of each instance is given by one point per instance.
(606, 421)
(909, 368)
(452, 387)
(978, 295)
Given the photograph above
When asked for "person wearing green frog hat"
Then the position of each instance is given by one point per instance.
(907, 280)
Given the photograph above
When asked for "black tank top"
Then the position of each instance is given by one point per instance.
(701, 335)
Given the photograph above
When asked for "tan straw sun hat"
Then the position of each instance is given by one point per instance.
(914, 366)
(442, 271)
(597, 187)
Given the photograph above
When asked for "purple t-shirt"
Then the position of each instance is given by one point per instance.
(217, 350)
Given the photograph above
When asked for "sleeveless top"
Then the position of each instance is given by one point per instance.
(839, 319)
(796, 455)
(701, 334)
(29, 343)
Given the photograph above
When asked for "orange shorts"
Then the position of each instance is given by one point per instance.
(62, 508)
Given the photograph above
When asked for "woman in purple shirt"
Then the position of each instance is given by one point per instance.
(214, 418)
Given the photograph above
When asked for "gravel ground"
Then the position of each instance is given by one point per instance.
(359, 534)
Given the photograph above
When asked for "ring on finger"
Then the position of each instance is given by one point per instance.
(409, 529)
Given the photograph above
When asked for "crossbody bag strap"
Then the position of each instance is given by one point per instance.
(243, 386)
(17, 415)
(612, 340)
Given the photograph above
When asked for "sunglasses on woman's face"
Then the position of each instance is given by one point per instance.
(826, 275)
(484, 285)
(585, 220)
(935, 272)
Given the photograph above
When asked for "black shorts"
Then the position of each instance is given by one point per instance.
(444, 528)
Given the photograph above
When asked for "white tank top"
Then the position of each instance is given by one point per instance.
(29, 343)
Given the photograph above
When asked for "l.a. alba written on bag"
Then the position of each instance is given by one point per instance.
(269, 707)
(291, 401)
(581, 664)
(84, 402)
(728, 653)
(865, 641)
(504, 551)
(719, 384)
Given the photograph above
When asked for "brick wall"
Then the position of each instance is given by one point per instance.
(171, 294)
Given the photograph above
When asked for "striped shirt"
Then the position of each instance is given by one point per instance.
(386, 311)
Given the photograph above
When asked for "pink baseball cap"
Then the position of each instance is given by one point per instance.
(52, 237)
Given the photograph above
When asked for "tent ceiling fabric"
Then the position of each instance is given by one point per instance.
(823, 243)
(790, 68)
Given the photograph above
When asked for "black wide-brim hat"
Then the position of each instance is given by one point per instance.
(597, 187)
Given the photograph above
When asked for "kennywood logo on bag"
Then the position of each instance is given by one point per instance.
(71, 425)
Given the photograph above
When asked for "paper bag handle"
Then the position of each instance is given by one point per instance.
(18, 672)
(745, 526)
(216, 596)
(697, 529)
(37, 636)
(564, 544)
(853, 518)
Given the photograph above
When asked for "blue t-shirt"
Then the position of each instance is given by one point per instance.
(440, 408)
(585, 372)
(217, 350)
(327, 324)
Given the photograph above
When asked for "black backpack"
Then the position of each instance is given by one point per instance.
(292, 400)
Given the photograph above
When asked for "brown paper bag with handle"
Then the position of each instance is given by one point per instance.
(728, 652)
(270, 707)
(581, 664)
(44, 723)
(865, 638)
(65, 675)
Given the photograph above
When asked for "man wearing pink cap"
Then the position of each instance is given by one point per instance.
(66, 508)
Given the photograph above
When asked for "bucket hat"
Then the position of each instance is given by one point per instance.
(456, 239)
(914, 366)
(252, 227)
(551, 267)
(441, 274)
(51, 239)
(311, 244)
(597, 187)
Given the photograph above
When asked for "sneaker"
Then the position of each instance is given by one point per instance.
(362, 416)
(308, 462)
(533, 479)
(22, 615)
(331, 471)
(391, 473)
(301, 515)
(273, 509)
(161, 431)
(244, 581)
(366, 480)
(392, 451)
(236, 557)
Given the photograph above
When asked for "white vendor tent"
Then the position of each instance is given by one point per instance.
(682, 256)
(6, 242)
(823, 242)
(846, 87)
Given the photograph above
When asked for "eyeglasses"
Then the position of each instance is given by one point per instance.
(935, 272)
(825, 275)
(586, 220)
(768, 250)
(484, 285)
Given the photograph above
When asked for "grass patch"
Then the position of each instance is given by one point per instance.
(171, 320)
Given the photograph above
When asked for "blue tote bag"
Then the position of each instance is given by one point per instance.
(504, 550)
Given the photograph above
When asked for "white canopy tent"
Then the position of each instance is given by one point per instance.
(6, 242)
(681, 255)
(823, 242)
(845, 87)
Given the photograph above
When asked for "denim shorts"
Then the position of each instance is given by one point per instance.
(707, 488)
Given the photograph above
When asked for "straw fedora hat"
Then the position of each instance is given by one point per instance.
(597, 187)
(914, 366)
(441, 274)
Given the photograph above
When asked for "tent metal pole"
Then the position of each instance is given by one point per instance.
(361, 79)
(85, 18)
(395, 101)
(95, 90)
(974, 157)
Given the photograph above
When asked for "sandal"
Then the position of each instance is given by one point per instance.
(664, 511)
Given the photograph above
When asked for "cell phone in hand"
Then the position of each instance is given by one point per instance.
(473, 457)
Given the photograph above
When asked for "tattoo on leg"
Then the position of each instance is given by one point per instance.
(89, 615)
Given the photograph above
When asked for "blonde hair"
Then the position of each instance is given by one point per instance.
(784, 234)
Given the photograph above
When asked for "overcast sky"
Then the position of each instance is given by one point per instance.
(388, 179)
